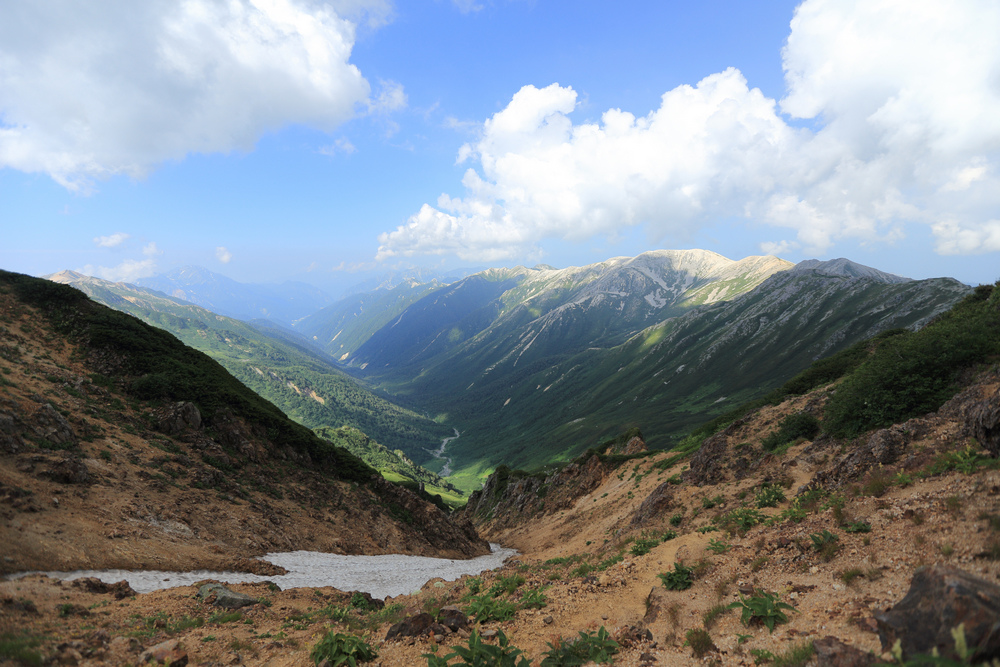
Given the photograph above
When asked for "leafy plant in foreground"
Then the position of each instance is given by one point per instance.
(481, 654)
(486, 608)
(340, 649)
(763, 607)
(680, 579)
(587, 647)
(533, 599)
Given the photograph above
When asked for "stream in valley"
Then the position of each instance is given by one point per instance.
(439, 454)
(379, 576)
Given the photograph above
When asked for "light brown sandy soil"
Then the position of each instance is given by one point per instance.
(941, 519)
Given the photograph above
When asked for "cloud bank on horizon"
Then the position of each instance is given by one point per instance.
(891, 117)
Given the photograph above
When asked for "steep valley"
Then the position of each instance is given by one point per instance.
(121, 447)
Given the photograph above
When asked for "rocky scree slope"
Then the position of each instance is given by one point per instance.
(121, 447)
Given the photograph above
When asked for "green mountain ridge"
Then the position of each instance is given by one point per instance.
(527, 390)
(300, 380)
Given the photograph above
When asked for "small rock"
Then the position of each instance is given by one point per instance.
(547, 620)
(831, 652)
(488, 634)
(165, 652)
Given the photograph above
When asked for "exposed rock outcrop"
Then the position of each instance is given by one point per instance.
(940, 599)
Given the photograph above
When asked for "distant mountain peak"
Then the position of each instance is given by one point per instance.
(848, 269)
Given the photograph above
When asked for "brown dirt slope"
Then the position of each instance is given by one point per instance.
(92, 477)
(594, 544)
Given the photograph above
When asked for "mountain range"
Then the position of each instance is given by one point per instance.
(534, 365)
(284, 368)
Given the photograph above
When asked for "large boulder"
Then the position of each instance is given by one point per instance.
(656, 503)
(52, 427)
(220, 596)
(940, 599)
(69, 470)
(180, 417)
(418, 625)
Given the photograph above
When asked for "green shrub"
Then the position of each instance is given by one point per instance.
(792, 427)
(342, 649)
(913, 373)
(680, 579)
(486, 608)
(741, 519)
(762, 607)
(676, 519)
(586, 648)
(643, 546)
(669, 535)
(480, 654)
(769, 495)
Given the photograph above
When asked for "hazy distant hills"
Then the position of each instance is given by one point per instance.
(283, 303)
(341, 328)
(302, 381)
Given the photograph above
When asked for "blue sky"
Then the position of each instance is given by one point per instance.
(321, 141)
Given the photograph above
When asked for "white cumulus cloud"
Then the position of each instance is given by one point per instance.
(905, 104)
(89, 90)
(111, 241)
(223, 255)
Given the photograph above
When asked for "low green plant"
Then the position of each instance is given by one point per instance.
(340, 649)
(478, 653)
(718, 546)
(769, 495)
(676, 520)
(700, 642)
(20, 648)
(506, 585)
(597, 647)
(761, 656)
(680, 579)
(486, 608)
(643, 545)
(797, 656)
(762, 607)
(858, 527)
(849, 575)
(741, 519)
(221, 617)
(668, 535)
(533, 599)
(609, 561)
(713, 614)
(825, 544)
